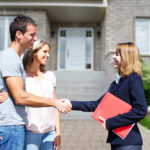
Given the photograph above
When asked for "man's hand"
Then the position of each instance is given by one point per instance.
(3, 96)
(63, 105)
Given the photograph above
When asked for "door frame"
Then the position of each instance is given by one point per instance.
(58, 54)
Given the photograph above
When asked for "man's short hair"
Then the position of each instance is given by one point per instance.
(20, 23)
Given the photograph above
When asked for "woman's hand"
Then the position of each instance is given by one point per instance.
(104, 122)
(57, 142)
(3, 96)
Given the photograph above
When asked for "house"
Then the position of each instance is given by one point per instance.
(83, 35)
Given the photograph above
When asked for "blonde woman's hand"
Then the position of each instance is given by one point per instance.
(3, 96)
(57, 142)
(104, 122)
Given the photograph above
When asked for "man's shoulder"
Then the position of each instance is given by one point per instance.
(4, 52)
(8, 55)
(11, 64)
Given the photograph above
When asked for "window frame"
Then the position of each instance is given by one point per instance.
(7, 21)
(147, 53)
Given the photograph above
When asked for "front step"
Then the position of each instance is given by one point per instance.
(77, 85)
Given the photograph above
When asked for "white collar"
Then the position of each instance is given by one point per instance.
(118, 78)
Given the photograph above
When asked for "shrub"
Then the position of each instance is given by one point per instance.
(146, 121)
(146, 80)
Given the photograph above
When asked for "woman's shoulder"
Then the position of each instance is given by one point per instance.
(50, 74)
(134, 77)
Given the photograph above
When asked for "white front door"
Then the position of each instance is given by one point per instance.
(73, 49)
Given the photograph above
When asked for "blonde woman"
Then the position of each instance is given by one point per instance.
(43, 124)
(128, 87)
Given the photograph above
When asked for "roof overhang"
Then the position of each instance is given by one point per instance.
(83, 11)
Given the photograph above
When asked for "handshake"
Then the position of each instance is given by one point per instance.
(63, 105)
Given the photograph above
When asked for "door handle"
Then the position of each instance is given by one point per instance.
(67, 53)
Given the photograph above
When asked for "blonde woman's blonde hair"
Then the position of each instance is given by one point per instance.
(130, 59)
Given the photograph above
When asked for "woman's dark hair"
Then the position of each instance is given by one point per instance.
(28, 57)
(20, 23)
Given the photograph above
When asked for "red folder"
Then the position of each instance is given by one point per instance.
(111, 106)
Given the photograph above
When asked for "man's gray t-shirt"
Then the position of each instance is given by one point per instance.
(11, 65)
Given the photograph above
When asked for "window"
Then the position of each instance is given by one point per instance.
(88, 62)
(4, 31)
(62, 49)
(143, 35)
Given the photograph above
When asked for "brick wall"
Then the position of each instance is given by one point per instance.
(119, 25)
(97, 49)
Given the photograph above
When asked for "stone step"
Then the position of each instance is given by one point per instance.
(79, 75)
(81, 85)
(79, 90)
(80, 97)
(75, 83)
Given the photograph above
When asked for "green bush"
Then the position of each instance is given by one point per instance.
(146, 121)
(146, 80)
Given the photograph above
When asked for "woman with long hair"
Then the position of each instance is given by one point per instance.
(43, 124)
(129, 88)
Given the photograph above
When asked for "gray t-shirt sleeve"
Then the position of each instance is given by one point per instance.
(11, 67)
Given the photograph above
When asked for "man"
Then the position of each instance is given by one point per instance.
(12, 76)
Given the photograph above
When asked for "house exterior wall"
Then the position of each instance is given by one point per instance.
(102, 42)
(97, 49)
(52, 62)
(119, 23)
(44, 32)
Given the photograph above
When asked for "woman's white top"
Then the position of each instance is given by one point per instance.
(41, 119)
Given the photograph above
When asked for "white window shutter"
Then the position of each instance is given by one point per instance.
(4, 31)
(143, 35)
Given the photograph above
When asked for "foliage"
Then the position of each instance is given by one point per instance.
(146, 80)
(146, 121)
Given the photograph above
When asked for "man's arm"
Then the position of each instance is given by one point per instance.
(16, 88)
